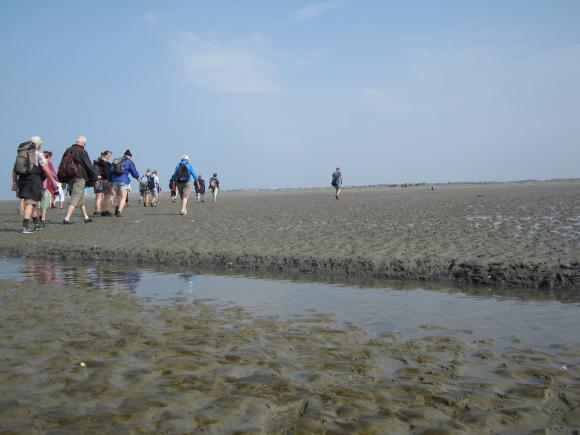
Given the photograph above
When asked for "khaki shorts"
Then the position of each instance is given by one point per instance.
(77, 197)
(184, 189)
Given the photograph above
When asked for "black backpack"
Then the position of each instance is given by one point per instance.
(25, 158)
(118, 166)
(182, 175)
(151, 182)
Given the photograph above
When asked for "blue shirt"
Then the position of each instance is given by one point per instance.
(189, 167)
(129, 169)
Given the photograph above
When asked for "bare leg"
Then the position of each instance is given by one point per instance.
(184, 206)
(98, 201)
(84, 211)
(106, 201)
(69, 212)
(27, 211)
(122, 200)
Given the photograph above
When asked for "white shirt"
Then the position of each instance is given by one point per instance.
(40, 160)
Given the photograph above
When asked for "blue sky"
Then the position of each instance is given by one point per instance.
(276, 94)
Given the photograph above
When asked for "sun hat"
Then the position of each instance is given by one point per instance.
(184, 157)
(36, 139)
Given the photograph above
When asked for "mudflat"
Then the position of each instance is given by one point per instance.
(512, 235)
(80, 359)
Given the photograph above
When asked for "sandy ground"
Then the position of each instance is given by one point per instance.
(509, 235)
(85, 360)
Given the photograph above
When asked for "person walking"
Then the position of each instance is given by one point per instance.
(182, 176)
(337, 182)
(29, 168)
(200, 188)
(59, 196)
(85, 176)
(48, 189)
(144, 187)
(214, 187)
(154, 188)
(120, 171)
(103, 189)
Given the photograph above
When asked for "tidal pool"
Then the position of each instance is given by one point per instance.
(109, 348)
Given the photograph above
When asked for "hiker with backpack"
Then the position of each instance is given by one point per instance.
(103, 190)
(29, 170)
(76, 169)
(182, 176)
(120, 170)
(336, 182)
(214, 187)
(144, 187)
(154, 188)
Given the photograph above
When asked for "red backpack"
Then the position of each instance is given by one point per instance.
(68, 168)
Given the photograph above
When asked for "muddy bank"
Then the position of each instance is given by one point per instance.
(498, 235)
(89, 360)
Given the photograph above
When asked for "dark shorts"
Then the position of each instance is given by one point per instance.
(30, 186)
(101, 185)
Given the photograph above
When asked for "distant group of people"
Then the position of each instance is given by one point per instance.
(39, 186)
(149, 188)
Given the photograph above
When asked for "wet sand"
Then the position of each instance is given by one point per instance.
(86, 360)
(505, 235)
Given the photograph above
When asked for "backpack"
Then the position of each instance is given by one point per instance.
(212, 183)
(335, 179)
(68, 168)
(144, 182)
(25, 158)
(118, 166)
(151, 182)
(182, 175)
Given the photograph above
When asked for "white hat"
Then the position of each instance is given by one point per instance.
(185, 157)
(36, 139)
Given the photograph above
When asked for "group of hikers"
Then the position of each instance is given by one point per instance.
(38, 185)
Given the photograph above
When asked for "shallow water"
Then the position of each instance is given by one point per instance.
(105, 348)
(482, 312)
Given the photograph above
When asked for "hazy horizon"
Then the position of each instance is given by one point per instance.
(277, 94)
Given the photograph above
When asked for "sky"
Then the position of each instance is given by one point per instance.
(274, 94)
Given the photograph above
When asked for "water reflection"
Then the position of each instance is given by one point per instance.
(127, 277)
(99, 275)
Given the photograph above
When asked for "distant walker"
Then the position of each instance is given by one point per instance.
(336, 182)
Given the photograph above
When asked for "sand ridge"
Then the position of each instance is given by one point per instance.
(510, 235)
